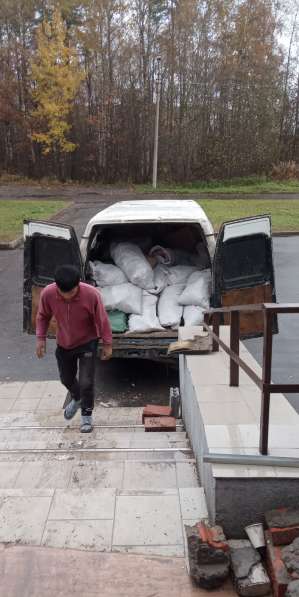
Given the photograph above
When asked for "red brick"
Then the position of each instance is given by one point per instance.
(213, 536)
(159, 424)
(277, 571)
(153, 410)
(283, 524)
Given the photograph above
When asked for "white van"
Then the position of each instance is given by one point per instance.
(241, 260)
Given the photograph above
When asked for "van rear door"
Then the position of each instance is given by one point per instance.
(243, 271)
(46, 246)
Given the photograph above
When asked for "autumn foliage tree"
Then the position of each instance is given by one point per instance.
(57, 77)
(78, 87)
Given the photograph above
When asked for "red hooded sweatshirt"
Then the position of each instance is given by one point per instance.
(79, 320)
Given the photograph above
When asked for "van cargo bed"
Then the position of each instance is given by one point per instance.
(150, 345)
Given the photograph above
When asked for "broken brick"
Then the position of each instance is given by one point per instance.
(154, 410)
(290, 556)
(277, 570)
(283, 524)
(250, 577)
(159, 424)
(208, 553)
(213, 536)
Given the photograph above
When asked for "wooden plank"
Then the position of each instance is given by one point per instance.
(250, 323)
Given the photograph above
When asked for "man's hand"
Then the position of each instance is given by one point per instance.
(40, 348)
(106, 352)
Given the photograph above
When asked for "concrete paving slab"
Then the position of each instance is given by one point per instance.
(143, 475)
(25, 404)
(232, 413)
(6, 404)
(8, 473)
(59, 572)
(11, 389)
(173, 551)
(33, 389)
(187, 475)
(193, 503)
(44, 474)
(76, 504)
(22, 519)
(147, 520)
(221, 395)
(92, 535)
(97, 475)
(55, 388)
(51, 403)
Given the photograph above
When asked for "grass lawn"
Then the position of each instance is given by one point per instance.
(285, 213)
(12, 214)
(252, 184)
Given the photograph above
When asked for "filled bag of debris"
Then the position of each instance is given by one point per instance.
(107, 274)
(130, 259)
(169, 311)
(179, 274)
(118, 321)
(164, 256)
(198, 290)
(148, 320)
(193, 315)
(123, 297)
(161, 273)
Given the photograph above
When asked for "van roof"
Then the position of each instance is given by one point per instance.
(151, 210)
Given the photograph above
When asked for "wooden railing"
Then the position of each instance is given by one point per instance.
(269, 310)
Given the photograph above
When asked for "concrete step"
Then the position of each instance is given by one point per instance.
(121, 419)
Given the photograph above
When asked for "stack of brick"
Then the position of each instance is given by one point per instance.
(282, 539)
(158, 418)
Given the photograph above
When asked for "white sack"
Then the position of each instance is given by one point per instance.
(179, 274)
(198, 290)
(133, 263)
(161, 273)
(148, 320)
(169, 310)
(124, 297)
(193, 315)
(107, 274)
(163, 256)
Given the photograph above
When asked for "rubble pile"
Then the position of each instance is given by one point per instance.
(268, 567)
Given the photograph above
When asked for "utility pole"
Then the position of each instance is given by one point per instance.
(156, 142)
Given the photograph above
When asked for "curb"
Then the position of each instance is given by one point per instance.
(13, 244)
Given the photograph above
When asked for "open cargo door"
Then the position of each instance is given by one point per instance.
(46, 246)
(243, 271)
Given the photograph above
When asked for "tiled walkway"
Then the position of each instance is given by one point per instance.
(107, 491)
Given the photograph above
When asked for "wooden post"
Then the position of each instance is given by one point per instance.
(216, 327)
(235, 347)
(267, 368)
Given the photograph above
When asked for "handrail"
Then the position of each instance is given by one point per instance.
(267, 388)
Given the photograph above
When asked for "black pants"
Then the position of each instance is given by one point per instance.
(68, 360)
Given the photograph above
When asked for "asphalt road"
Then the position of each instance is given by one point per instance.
(132, 382)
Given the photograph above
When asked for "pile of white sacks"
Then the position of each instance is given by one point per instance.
(154, 297)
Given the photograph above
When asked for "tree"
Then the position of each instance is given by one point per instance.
(56, 78)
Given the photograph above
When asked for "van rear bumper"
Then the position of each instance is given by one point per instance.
(144, 346)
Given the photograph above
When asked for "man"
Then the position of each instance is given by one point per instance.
(81, 320)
